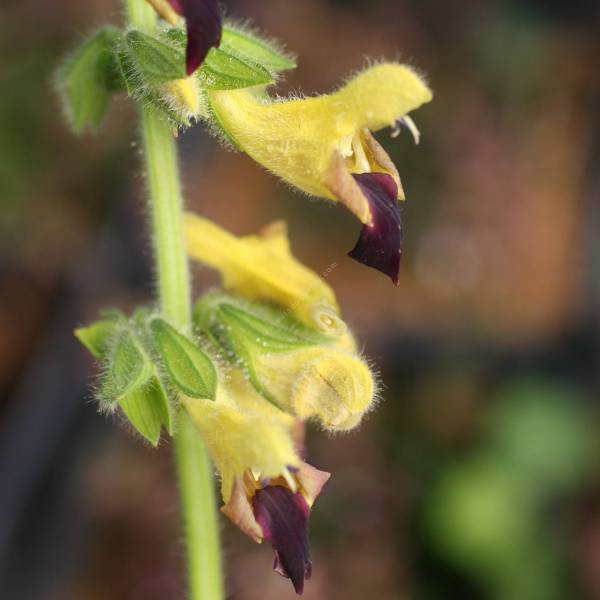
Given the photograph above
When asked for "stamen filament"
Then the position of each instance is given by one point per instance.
(410, 125)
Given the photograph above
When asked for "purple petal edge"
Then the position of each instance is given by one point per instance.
(380, 243)
(204, 29)
(283, 517)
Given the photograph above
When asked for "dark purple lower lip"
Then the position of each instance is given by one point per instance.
(380, 242)
(204, 27)
(283, 517)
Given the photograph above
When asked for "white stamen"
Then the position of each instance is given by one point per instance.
(361, 161)
(289, 479)
(346, 146)
(410, 125)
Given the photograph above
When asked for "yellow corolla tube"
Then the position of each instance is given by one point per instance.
(244, 433)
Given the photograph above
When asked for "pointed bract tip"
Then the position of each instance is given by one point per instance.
(380, 243)
(283, 517)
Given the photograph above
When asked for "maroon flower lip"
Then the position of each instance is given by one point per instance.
(380, 242)
(204, 29)
(283, 517)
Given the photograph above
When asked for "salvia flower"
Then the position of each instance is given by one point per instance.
(323, 146)
(203, 22)
(266, 487)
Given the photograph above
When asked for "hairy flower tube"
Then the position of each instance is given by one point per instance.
(262, 267)
(323, 146)
(203, 22)
(267, 489)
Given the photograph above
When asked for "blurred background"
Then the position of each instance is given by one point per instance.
(478, 477)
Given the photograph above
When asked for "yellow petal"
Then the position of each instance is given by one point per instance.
(379, 96)
(263, 268)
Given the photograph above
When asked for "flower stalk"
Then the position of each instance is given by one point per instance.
(194, 470)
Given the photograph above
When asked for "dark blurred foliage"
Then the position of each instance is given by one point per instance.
(477, 477)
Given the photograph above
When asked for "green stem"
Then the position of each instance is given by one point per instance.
(194, 470)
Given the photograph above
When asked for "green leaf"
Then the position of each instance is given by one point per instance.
(88, 78)
(128, 368)
(253, 48)
(96, 337)
(156, 62)
(148, 409)
(188, 368)
(223, 70)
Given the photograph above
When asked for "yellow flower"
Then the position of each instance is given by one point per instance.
(267, 489)
(262, 267)
(323, 146)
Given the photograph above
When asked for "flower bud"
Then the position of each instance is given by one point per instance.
(334, 386)
(182, 96)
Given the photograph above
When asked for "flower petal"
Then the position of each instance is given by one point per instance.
(380, 242)
(204, 28)
(312, 481)
(283, 517)
(239, 511)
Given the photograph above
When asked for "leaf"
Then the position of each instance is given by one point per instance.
(259, 51)
(155, 61)
(88, 78)
(96, 337)
(223, 70)
(188, 368)
(148, 409)
(128, 368)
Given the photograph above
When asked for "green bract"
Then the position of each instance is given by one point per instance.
(88, 78)
(223, 70)
(249, 45)
(245, 330)
(239, 326)
(151, 68)
(97, 336)
(148, 409)
(155, 62)
(146, 366)
(128, 368)
(189, 369)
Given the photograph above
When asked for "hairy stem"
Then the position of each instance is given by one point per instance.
(196, 483)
